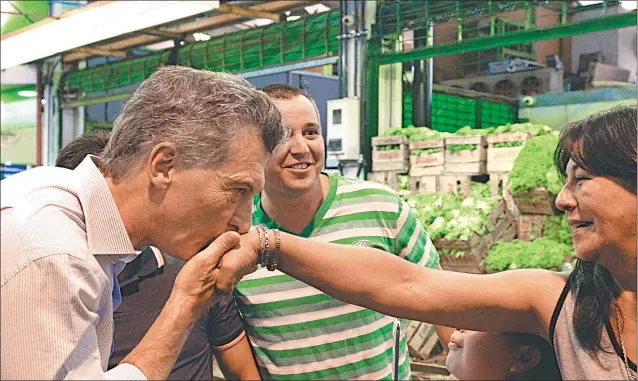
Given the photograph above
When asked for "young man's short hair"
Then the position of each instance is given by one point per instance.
(91, 143)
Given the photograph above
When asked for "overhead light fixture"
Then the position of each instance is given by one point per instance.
(629, 5)
(293, 18)
(5, 6)
(93, 23)
(258, 22)
(590, 2)
(28, 93)
(316, 8)
(168, 44)
(201, 36)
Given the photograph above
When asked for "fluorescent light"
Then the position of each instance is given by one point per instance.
(168, 44)
(201, 36)
(95, 23)
(5, 6)
(28, 93)
(629, 5)
(316, 8)
(292, 18)
(590, 2)
(258, 22)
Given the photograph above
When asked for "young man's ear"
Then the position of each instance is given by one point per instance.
(527, 358)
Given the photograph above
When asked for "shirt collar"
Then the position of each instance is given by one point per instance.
(105, 231)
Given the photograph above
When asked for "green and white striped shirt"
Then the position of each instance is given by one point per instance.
(300, 333)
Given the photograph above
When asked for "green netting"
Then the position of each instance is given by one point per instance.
(253, 49)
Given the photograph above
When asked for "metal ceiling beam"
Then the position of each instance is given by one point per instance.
(225, 8)
(192, 27)
(598, 24)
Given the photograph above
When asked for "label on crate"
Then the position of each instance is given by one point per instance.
(428, 159)
(389, 155)
(503, 154)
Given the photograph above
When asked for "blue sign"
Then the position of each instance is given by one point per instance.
(7, 169)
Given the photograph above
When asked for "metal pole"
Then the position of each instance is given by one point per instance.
(39, 106)
(351, 65)
(430, 78)
(418, 82)
(342, 51)
(371, 104)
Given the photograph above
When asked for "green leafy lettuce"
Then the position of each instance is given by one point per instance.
(533, 166)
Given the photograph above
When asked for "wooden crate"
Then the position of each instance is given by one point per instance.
(449, 184)
(389, 178)
(392, 160)
(529, 225)
(497, 179)
(422, 339)
(477, 247)
(424, 184)
(426, 171)
(536, 201)
(501, 159)
(432, 160)
(466, 162)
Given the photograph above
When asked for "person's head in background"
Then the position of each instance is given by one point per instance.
(501, 356)
(295, 167)
(91, 143)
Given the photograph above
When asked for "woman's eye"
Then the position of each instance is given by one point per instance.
(240, 191)
(311, 132)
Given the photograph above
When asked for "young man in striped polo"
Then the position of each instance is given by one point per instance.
(298, 332)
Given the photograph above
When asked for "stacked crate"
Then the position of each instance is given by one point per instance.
(460, 166)
(390, 157)
(477, 247)
(500, 161)
(426, 169)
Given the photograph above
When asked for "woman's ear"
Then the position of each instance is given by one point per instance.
(527, 358)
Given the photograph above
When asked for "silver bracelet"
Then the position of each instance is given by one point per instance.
(266, 247)
(273, 262)
(260, 251)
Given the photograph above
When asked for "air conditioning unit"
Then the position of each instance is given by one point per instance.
(531, 82)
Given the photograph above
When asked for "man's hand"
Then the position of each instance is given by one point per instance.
(238, 262)
(195, 283)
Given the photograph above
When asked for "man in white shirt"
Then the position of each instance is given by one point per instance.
(184, 161)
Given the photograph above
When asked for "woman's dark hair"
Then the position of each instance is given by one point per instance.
(546, 369)
(604, 145)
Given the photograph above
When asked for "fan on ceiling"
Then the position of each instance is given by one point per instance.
(506, 88)
(480, 87)
(532, 85)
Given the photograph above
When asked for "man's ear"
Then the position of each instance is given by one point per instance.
(161, 165)
(527, 358)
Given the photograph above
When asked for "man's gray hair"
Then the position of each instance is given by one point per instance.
(199, 111)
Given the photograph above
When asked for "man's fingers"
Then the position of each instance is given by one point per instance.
(220, 246)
